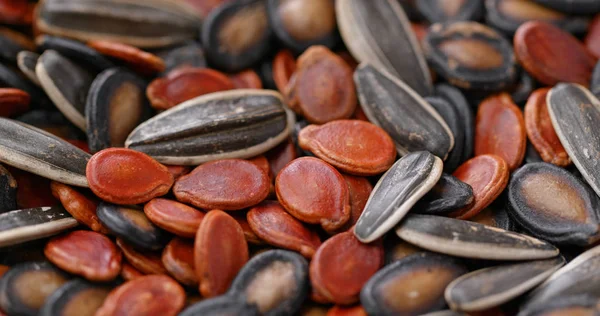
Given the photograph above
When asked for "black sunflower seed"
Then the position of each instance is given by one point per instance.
(76, 296)
(75, 51)
(20, 226)
(12, 43)
(191, 55)
(455, 123)
(435, 11)
(11, 78)
(595, 82)
(8, 191)
(27, 61)
(449, 194)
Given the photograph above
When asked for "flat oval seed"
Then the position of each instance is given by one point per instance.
(490, 287)
(397, 191)
(275, 282)
(140, 61)
(471, 240)
(338, 310)
(412, 286)
(488, 176)
(281, 155)
(128, 272)
(9, 77)
(592, 38)
(500, 130)
(20, 290)
(66, 84)
(273, 224)
(314, 192)
(144, 261)
(148, 295)
(353, 146)
(8, 191)
(246, 79)
(82, 208)
(125, 176)
(221, 305)
(178, 259)
(188, 55)
(185, 84)
(541, 132)
(359, 189)
(233, 124)
(27, 61)
(89, 254)
(541, 48)
(575, 114)
(131, 224)
(342, 265)
(284, 66)
(20, 226)
(75, 298)
(174, 217)
(470, 55)
(171, 22)
(321, 89)
(229, 184)
(552, 204)
(249, 234)
(115, 106)
(13, 101)
(74, 50)
(367, 27)
(220, 251)
(397, 111)
(447, 195)
(450, 115)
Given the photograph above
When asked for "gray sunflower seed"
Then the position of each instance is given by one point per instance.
(26, 147)
(27, 61)
(471, 240)
(233, 124)
(378, 32)
(150, 23)
(66, 84)
(8, 191)
(581, 276)
(397, 191)
(411, 122)
(34, 223)
(449, 194)
(491, 287)
(575, 115)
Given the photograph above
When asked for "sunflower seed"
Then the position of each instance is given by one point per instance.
(19, 226)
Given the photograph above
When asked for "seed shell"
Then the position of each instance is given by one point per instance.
(27, 61)
(467, 119)
(178, 259)
(174, 217)
(75, 296)
(188, 55)
(142, 62)
(233, 124)
(490, 287)
(128, 272)
(284, 66)
(471, 240)
(454, 122)
(145, 262)
(81, 207)
(575, 113)
(13, 101)
(495, 215)
(19, 226)
(447, 195)
(397, 191)
(435, 11)
(367, 26)
(392, 105)
(12, 43)
(565, 305)
(75, 51)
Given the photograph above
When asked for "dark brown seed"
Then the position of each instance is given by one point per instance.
(146, 296)
(398, 249)
(76, 297)
(249, 234)
(174, 217)
(435, 11)
(19, 226)
(341, 267)
(220, 251)
(450, 115)
(89, 254)
(82, 208)
(314, 192)
(178, 259)
(229, 184)
(8, 191)
(541, 48)
(274, 225)
(321, 89)
(470, 55)
(447, 195)
(16, 12)
(144, 261)
(12, 43)
(412, 286)
(281, 155)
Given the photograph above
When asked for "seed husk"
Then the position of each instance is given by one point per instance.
(12, 43)
(131, 224)
(178, 259)
(174, 217)
(392, 105)
(233, 124)
(76, 297)
(140, 61)
(470, 55)
(572, 6)
(541, 47)
(75, 51)
(147, 295)
(8, 191)
(284, 66)
(552, 204)
(435, 11)
(471, 240)
(300, 24)
(411, 286)
(237, 34)
(88, 254)
(66, 84)
(249, 234)
(448, 194)
(578, 277)
(115, 106)
(466, 117)
(81, 207)
(189, 55)
(409, 179)
(20, 290)
(274, 282)
(27, 61)
(128, 272)
(145, 262)
(367, 26)
(454, 122)
(565, 305)
(507, 16)
(246, 79)
(31, 149)
(156, 23)
(575, 113)
(495, 215)
(500, 130)
(221, 305)
(491, 287)
(359, 189)
(24, 225)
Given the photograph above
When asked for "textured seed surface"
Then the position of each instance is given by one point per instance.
(174, 217)
(82, 208)
(19, 226)
(447, 195)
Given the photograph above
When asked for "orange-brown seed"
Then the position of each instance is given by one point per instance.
(175, 217)
(178, 259)
(128, 272)
(145, 261)
(247, 79)
(82, 208)
(142, 62)
(284, 65)
(13, 101)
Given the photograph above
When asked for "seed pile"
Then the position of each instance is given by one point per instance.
(299, 157)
